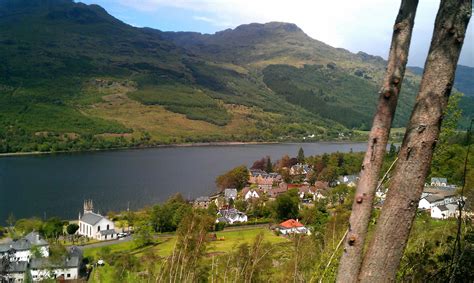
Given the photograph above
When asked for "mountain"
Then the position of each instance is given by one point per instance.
(74, 77)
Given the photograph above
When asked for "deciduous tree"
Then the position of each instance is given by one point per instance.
(361, 210)
(393, 227)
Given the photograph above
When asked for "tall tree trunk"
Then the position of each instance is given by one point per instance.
(351, 259)
(393, 228)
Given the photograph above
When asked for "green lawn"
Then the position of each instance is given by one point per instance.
(227, 241)
(231, 239)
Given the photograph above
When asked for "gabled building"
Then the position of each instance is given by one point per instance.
(94, 225)
(300, 169)
(250, 193)
(439, 182)
(20, 250)
(443, 211)
(229, 194)
(292, 226)
(67, 268)
(263, 179)
(432, 200)
(15, 271)
(349, 180)
(202, 202)
(231, 216)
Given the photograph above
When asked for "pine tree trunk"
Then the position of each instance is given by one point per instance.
(351, 259)
(393, 226)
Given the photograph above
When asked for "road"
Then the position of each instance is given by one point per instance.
(105, 243)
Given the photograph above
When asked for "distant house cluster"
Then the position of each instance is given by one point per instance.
(94, 225)
(262, 179)
(23, 259)
(300, 169)
(439, 198)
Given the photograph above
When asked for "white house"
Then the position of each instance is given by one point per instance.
(15, 272)
(20, 250)
(65, 269)
(443, 211)
(249, 193)
(94, 225)
(439, 182)
(349, 180)
(292, 226)
(231, 216)
(202, 202)
(300, 169)
(432, 200)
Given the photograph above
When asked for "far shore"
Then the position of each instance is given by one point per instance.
(203, 144)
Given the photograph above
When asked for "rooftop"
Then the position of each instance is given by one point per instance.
(91, 218)
(291, 223)
(25, 243)
(72, 260)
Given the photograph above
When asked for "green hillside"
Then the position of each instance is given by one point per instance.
(72, 77)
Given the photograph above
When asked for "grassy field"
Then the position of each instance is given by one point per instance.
(164, 245)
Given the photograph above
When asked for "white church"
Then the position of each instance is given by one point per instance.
(94, 225)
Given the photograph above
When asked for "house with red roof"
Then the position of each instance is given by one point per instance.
(292, 226)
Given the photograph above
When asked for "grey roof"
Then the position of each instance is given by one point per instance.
(108, 232)
(16, 267)
(437, 197)
(5, 247)
(35, 239)
(222, 220)
(72, 260)
(442, 207)
(439, 180)
(25, 243)
(202, 199)
(75, 251)
(230, 193)
(230, 213)
(91, 218)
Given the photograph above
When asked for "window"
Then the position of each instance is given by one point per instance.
(69, 275)
(107, 226)
(98, 228)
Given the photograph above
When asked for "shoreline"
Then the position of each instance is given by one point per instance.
(178, 145)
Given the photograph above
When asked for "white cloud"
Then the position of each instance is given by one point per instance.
(354, 25)
(214, 22)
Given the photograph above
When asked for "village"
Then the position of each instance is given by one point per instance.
(264, 200)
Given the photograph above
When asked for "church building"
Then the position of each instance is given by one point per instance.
(94, 225)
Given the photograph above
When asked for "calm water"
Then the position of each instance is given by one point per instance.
(56, 185)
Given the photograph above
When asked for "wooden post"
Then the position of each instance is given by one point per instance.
(393, 226)
(351, 259)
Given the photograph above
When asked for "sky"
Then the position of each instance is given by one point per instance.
(356, 25)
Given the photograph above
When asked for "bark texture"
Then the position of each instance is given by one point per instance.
(393, 226)
(351, 259)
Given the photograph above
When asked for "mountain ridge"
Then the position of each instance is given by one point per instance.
(92, 81)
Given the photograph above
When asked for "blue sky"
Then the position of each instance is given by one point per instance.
(362, 25)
